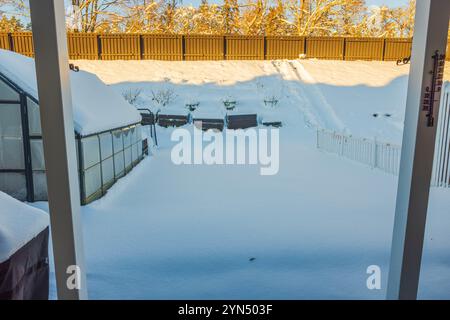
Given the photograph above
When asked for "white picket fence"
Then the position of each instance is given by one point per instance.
(441, 168)
(386, 156)
(381, 155)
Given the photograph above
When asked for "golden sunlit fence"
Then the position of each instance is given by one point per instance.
(82, 46)
(125, 46)
(397, 48)
(4, 41)
(162, 47)
(120, 46)
(364, 49)
(244, 48)
(278, 47)
(22, 42)
(330, 48)
(204, 47)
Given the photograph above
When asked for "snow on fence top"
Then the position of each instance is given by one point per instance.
(96, 107)
(19, 224)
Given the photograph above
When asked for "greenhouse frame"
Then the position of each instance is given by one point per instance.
(103, 157)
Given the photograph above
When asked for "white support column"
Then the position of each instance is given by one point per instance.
(55, 102)
(430, 36)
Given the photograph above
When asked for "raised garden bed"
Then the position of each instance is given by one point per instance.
(208, 119)
(173, 118)
(275, 124)
(206, 124)
(241, 121)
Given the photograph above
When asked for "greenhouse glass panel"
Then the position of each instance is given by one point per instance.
(10, 120)
(92, 180)
(37, 154)
(118, 164)
(126, 138)
(34, 118)
(133, 135)
(91, 151)
(11, 153)
(106, 147)
(117, 141)
(139, 150)
(107, 171)
(138, 132)
(40, 185)
(127, 153)
(134, 155)
(8, 93)
(13, 184)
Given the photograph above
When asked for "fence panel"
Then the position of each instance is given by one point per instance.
(244, 47)
(162, 47)
(441, 167)
(331, 48)
(120, 46)
(4, 41)
(364, 49)
(23, 43)
(216, 47)
(204, 47)
(380, 155)
(82, 46)
(278, 47)
(397, 48)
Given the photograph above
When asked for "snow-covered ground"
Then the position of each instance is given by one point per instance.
(189, 231)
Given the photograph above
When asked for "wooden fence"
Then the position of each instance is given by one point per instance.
(213, 47)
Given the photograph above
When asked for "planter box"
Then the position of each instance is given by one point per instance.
(241, 121)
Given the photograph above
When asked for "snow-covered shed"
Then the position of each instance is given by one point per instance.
(107, 131)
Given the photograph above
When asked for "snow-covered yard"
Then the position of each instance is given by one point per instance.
(191, 231)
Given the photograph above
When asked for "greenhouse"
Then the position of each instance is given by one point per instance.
(107, 132)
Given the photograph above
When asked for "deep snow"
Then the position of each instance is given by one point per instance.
(169, 232)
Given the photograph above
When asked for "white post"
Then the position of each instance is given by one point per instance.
(375, 153)
(430, 37)
(55, 104)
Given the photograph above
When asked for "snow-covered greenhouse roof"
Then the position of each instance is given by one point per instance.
(96, 107)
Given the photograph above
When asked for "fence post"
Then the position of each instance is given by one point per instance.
(10, 41)
(304, 45)
(375, 152)
(183, 47)
(343, 49)
(317, 138)
(224, 47)
(141, 47)
(99, 46)
(265, 47)
(342, 144)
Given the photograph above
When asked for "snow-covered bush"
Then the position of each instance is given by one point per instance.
(270, 91)
(271, 101)
(229, 102)
(132, 95)
(163, 96)
(191, 103)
